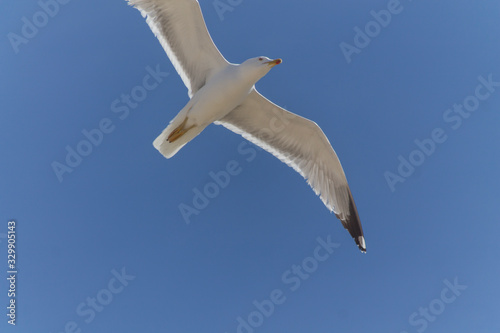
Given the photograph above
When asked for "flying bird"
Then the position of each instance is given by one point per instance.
(224, 93)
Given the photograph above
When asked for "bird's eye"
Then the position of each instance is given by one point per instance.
(260, 59)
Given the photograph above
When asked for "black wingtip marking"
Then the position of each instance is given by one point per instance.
(353, 224)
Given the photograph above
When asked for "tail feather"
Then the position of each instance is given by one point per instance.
(169, 149)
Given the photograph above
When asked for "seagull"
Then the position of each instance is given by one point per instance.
(224, 93)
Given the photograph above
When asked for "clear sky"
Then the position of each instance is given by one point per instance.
(408, 94)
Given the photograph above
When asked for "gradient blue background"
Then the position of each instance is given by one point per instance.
(119, 208)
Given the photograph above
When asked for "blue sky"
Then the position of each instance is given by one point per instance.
(104, 248)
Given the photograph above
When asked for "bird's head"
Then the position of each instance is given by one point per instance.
(260, 66)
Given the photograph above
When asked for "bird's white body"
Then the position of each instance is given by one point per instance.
(224, 94)
(223, 91)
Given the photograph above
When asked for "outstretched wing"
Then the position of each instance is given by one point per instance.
(181, 30)
(301, 144)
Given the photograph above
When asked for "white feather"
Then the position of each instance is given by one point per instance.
(296, 141)
(181, 30)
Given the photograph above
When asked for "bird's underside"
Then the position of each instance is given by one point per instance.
(297, 141)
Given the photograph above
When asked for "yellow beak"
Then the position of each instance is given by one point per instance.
(274, 62)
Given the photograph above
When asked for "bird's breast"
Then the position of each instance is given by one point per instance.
(219, 96)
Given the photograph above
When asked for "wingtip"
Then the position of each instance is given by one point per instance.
(353, 224)
(361, 243)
